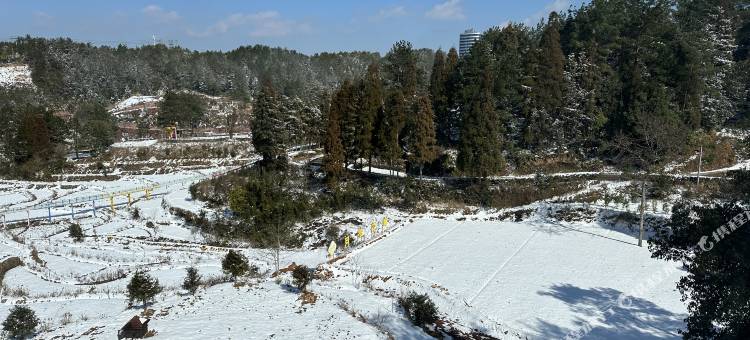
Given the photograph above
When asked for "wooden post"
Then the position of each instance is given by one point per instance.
(130, 201)
(28, 218)
(643, 209)
(93, 203)
(49, 213)
(72, 213)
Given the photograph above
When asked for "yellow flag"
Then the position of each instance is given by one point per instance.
(346, 241)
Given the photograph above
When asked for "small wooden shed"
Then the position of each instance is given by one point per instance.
(134, 329)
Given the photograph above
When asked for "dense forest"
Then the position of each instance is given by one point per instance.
(634, 83)
(65, 70)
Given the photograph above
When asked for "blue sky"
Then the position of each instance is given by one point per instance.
(307, 26)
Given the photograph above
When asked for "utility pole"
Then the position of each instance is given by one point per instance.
(700, 160)
(643, 209)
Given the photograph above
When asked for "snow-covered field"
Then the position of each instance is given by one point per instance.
(538, 278)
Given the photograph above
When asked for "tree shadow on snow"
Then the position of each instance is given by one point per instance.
(633, 318)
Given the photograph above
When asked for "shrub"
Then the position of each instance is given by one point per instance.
(135, 213)
(235, 264)
(21, 322)
(419, 309)
(143, 288)
(192, 280)
(150, 224)
(332, 233)
(75, 232)
(302, 277)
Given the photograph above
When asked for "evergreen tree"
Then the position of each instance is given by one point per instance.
(450, 119)
(346, 102)
(712, 243)
(333, 162)
(439, 97)
(235, 264)
(372, 103)
(269, 133)
(710, 28)
(93, 128)
(182, 108)
(549, 83)
(21, 322)
(270, 205)
(192, 280)
(423, 144)
(401, 68)
(142, 288)
(391, 121)
(302, 276)
(583, 119)
(75, 232)
(479, 149)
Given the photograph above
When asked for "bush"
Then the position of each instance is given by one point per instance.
(234, 264)
(75, 232)
(302, 277)
(143, 288)
(192, 280)
(135, 214)
(21, 322)
(332, 233)
(419, 309)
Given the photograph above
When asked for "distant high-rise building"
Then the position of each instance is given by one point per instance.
(467, 40)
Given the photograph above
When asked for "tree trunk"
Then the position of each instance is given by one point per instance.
(643, 209)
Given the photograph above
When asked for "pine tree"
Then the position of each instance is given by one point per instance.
(143, 288)
(21, 322)
(423, 148)
(372, 103)
(402, 70)
(75, 232)
(269, 133)
(235, 264)
(440, 106)
(582, 119)
(451, 119)
(346, 103)
(390, 123)
(333, 162)
(549, 84)
(710, 27)
(479, 148)
(192, 280)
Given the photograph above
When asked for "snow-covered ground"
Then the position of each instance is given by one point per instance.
(135, 143)
(15, 75)
(538, 278)
(132, 101)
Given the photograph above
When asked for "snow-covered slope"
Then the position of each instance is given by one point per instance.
(133, 101)
(15, 75)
